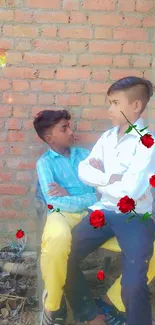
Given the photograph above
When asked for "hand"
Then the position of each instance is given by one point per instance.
(57, 190)
(115, 178)
(96, 163)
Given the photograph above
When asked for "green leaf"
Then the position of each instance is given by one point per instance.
(144, 129)
(129, 129)
(57, 210)
(146, 216)
(130, 218)
(134, 126)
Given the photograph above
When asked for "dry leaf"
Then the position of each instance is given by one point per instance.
(4, 312)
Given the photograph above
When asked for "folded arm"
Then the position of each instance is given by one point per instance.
(74, 203)
(89, 174)
(135, 181)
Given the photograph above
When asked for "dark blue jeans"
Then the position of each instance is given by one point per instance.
(136, 241)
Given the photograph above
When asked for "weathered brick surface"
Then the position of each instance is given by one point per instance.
(62, 54)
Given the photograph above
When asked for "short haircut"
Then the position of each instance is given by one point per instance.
(136, 88)
(47, 119)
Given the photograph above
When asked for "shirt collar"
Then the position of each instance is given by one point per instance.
(56, 154)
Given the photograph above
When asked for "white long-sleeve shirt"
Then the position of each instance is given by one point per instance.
(127, 157)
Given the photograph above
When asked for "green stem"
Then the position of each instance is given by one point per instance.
(131, 124)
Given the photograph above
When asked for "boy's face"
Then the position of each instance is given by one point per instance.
(61, 135)
(119, 101)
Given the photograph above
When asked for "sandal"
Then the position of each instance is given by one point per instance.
(49, 320)
(113, 316)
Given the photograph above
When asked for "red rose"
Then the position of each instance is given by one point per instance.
(147, 140)
(50, 207)
(152, 181)
(100, 275)
(126, 204)
(97, 219)
(20, 234)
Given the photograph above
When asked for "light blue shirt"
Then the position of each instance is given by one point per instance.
(54, 167)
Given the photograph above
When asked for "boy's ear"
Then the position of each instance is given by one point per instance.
(138, 106)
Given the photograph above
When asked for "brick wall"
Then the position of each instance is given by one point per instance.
(62, 54)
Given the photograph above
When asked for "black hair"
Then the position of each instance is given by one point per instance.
(47, 119)
(144, 88)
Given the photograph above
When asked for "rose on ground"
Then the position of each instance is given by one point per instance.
(126, 204)
(20, 234)
(147, 140)
(100, 275)
(97, 219)
(152, 180)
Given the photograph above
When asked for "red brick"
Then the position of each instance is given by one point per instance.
(97, 100)
(141, 62)
(106, 47)
(13, 57)
(11, 3)
(84, 126)
(90, 60)
(52, 46)
(29, 99)
(77, 47)
(5, 111)
(21, 73)
(17, 150)
(95, 113)
(72, 74)
(15, 136)
(149, 21)
(44, 4)
(25, 16)
(101, 125)
(20, 31)
(23, 176)
(6, 44)
(98, 4)
(68, 60)
(3, 136)
(46, 99)
(121, 61)
(71, 5)
(6, 15)
(46, 74)
(148, 74)
(48, 31)
(5, 176)
(7, 202)
(72, 100)
(49, 86)
(2, 124)
(54, 17)
(105, 19)
(14, 124)
(3, 149)
(82, 33)
(134, 34)
(144, 5)
(100, 75)
(88, 138)
(27, 164)
(132, 21)
(95, 88)
(117, 74)
(20, 85)
(136, 47)
(103, 33)
(20, 112)
(11, 189)
(74, 87)
(77, 17)
(40, 58)
(126, 5)
(4, 84)
(2, 3)
(23, 45)
(9, 214)
(28, 124)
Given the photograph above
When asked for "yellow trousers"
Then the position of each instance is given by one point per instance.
(55, 249)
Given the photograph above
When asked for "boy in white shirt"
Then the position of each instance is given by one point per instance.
(128, 165)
